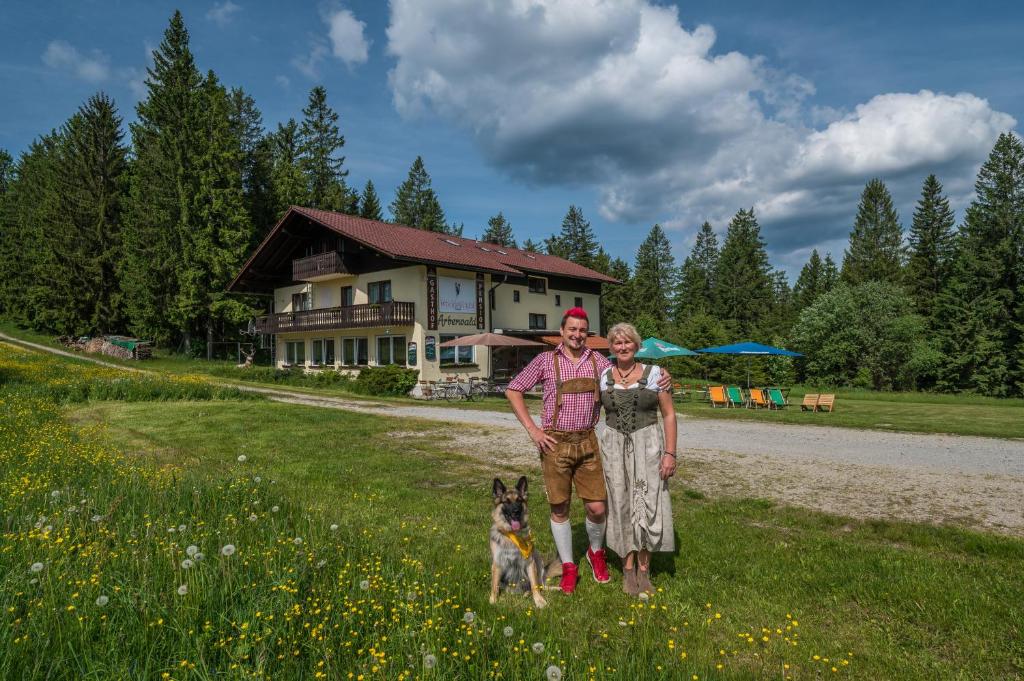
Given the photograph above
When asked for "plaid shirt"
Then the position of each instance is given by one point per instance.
(578, 412)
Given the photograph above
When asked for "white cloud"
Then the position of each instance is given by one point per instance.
(222, 13)
(283, 81)
(346, 34)
(621, 96)
(62, 56)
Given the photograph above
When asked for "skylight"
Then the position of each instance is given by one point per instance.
(453, 243)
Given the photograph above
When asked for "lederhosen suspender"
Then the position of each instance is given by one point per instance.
(583, 384)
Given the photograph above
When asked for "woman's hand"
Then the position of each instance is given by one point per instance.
(668, 466)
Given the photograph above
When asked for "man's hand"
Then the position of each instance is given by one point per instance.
(545, 443)
(665, 382)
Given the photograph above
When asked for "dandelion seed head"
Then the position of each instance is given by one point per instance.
(508, 631)
(186, 564)
(553, 673)
(275, 509)
(643, 596)
(33, 581)
(538, 647)
(183, 589)
(429, 661)
(192, 550)
(334, 527)
(320, 563)
(253, 518)
(36, 567)
(182, 528)
(242, 458)
(257, 479)
(364, 585)
(55, 493)
(102, 600)
(297, 541)
(469, 617)
(96, 518)
(227, 550)
(199, 556)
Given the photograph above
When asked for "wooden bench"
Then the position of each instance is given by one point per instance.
(810, 402)
(826, 401)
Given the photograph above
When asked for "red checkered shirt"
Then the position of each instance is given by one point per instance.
(578, 412)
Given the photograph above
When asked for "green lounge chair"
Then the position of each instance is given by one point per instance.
(735, 396)
(777, 399)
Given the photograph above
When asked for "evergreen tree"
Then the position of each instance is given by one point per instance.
(811, 283)
(576, 242)
(499, 231)
(931, 248)
(829, 274)
(369, 204)
(875, 252)
(319, 145)
(654, 277)
(255, 162)
(616, 302)
(743, 282)
(6, 171)
(782, 308)
(531, 246)
(981, 303)
(286, 175)
(165, 141)
(416, 204)
(697, 276)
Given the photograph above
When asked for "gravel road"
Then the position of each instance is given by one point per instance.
(969, 481)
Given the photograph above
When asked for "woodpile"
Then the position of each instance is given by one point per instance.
(112, 346)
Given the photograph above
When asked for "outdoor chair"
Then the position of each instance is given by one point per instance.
(759, 398)
(778, 400)
(680, 392)
(717, 396)
(735, 394)
(810, 402)
(826, 402)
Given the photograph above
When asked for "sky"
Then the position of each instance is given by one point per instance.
(638, 112)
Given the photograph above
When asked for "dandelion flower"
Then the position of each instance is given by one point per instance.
(257, 479)
(199, 556)
(227, 550)
(508, 631)
(252, 518)
(183, 589)
(297, 541)
(538, 647)
(429, 661)
(192, 550)
(36, 567)
(334, 527)
(186, 564)
(553, 673)
(275, 509)
(102, 600)
(242, 458)
(364, 585)
(469, 617)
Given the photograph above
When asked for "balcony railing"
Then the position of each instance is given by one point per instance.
(349, 317)
(318, 266)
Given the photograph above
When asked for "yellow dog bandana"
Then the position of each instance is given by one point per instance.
(525, 546)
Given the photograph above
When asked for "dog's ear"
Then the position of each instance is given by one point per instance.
(499, 488)
(521, 487)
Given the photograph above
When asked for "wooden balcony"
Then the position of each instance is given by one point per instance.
(318, 267)
(349, 317)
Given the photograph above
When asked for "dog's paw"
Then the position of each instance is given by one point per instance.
(493, 599)
(539, 602)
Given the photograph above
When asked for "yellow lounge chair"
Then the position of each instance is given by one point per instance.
(717, 396)
(826, 401)
(759, 398)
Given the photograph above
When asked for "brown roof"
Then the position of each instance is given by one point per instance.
(408, 243)
(593, 342)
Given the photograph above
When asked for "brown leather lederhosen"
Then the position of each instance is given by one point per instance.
(576, 458)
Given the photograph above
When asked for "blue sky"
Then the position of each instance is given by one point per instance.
(638, 112)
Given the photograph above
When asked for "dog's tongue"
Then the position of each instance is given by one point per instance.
(515, 525)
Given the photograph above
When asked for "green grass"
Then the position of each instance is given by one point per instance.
(892, 600)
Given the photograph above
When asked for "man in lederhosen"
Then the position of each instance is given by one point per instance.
(566, 441)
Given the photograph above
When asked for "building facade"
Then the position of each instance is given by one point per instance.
(344, 292)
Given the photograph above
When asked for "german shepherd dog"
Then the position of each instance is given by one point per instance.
(515, 564)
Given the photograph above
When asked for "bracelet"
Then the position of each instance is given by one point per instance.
(667, 453)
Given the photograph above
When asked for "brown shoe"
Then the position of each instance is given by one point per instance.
(643, 581)
(629, 584)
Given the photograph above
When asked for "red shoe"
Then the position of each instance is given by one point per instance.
(597, 562)
(570, 575)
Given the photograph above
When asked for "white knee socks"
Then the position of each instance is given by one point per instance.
(595, 531)
(562, 532)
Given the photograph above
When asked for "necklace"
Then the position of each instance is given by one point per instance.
(624, 376)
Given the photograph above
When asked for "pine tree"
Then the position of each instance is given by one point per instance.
(931, 249)
(319, 145)
(654, 277)
(875, 252)
(811, 282)
(499, 231)
(6, 171)
(256, 162)
(92, 174)
(286, 175)
(697, 276)
(416, 204)
(616, 299)
(531, 246)
(576, 242)
(981, 305)
(829, 274)
(743, 282)
(369, 204)
(165, 140)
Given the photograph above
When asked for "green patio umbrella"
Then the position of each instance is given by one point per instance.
(655, 348)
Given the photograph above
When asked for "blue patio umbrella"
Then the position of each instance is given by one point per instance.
(749, 349)
(655, 348)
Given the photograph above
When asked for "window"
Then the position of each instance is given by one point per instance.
(354, 351)
(538, 321)
(380, 291)
(515, 296)
(538, 285)
(558, 300)
(449, 356)
(347, 296)
(390, 350)
(295, 352)
(579, 301)
(302, 301)
(323, 351)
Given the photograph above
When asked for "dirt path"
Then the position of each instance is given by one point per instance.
(970, 481)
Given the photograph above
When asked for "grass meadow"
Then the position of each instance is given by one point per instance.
(187, 532)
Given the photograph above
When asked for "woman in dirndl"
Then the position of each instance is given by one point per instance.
(639, 456)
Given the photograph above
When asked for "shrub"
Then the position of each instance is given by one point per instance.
(386, 380)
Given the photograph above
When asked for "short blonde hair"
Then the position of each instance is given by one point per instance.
(625, 330)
